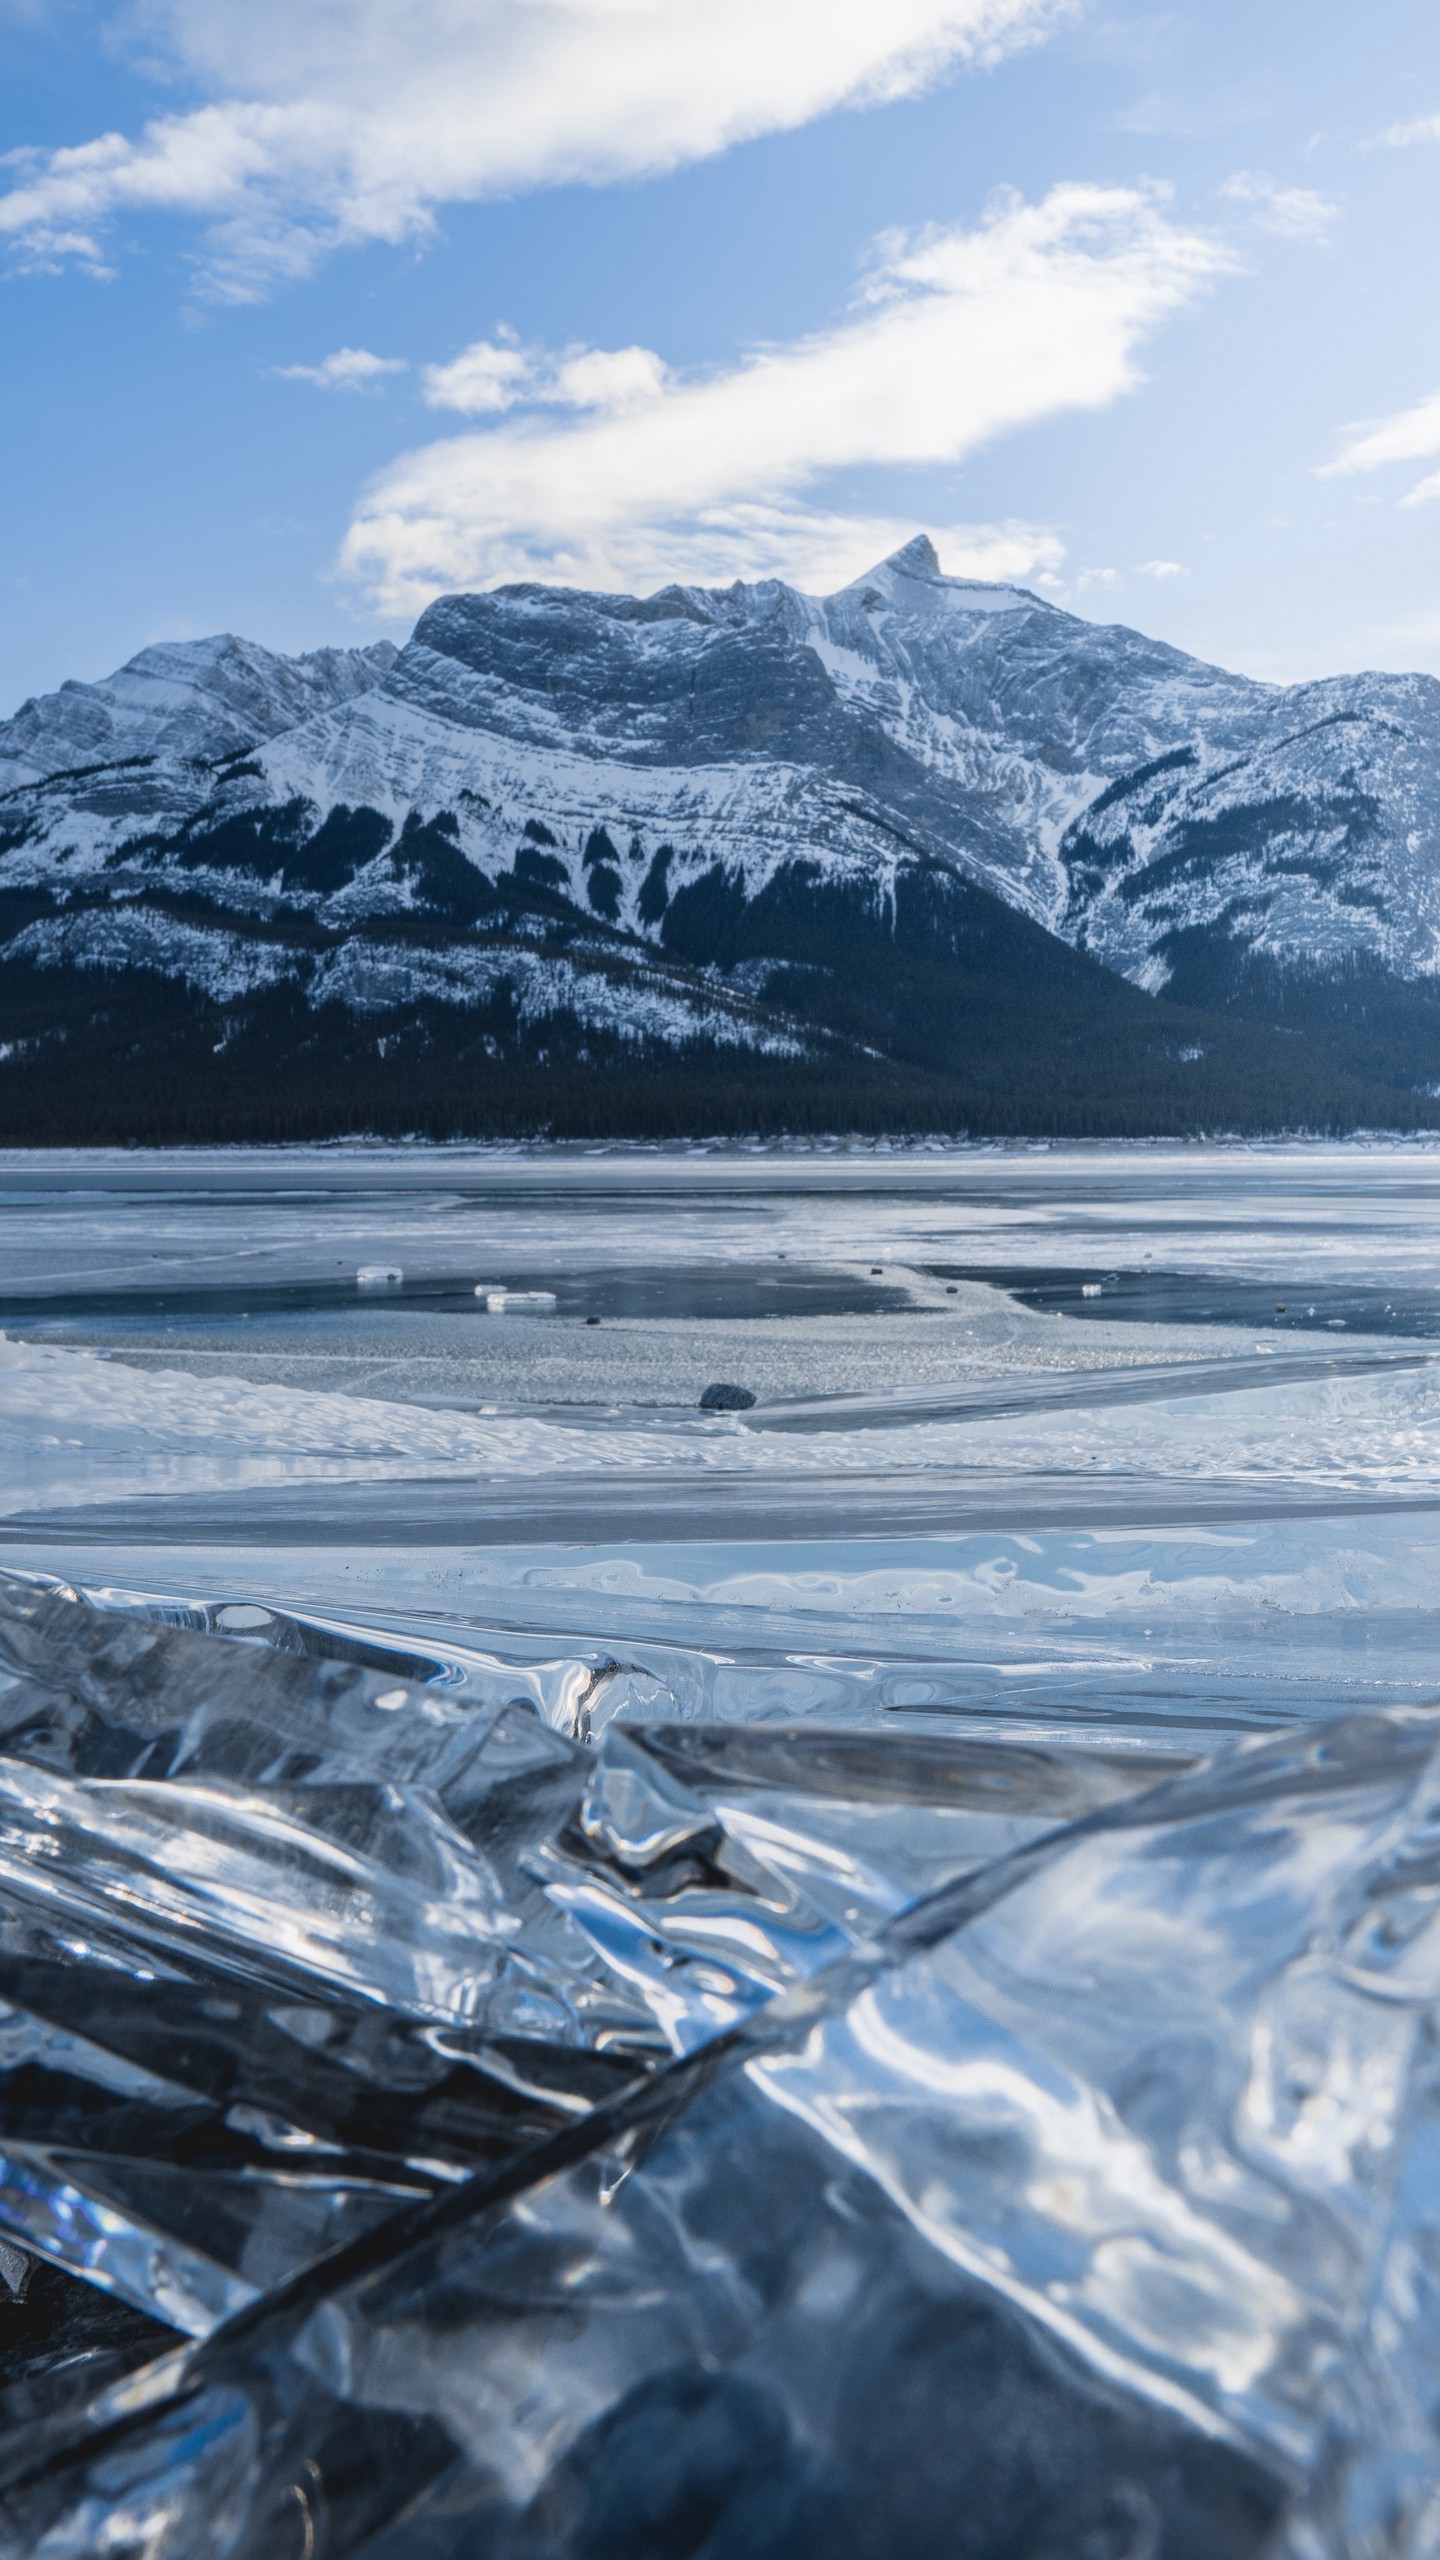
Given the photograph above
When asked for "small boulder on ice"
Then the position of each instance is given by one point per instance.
(725, 1397)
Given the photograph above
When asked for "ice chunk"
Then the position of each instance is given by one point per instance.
(379, 1275)
(1113, 2160)
(289, 1940)
(190, 2249)
(636, 1812)
(519, 1302)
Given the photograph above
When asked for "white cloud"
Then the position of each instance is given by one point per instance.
(1161, 569)
(340, 121)
(1421, 129)
(960, 336)
(48, 253)
(1406, 437)
(1411, 435)
(498, 373)
(1296, 213)
(349, 369)
(486, 377)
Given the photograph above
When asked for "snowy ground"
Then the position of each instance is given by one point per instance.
(81, 1426)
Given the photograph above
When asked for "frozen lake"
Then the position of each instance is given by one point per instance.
(555, 1933)
(1195, 1490)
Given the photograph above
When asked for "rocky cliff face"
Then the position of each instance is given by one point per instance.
(808, 828)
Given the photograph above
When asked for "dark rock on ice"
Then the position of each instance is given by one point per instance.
(725, 1397)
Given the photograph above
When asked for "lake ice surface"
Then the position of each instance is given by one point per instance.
(1004, 1755)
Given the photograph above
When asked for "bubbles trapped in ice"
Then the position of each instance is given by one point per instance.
(542, 2144)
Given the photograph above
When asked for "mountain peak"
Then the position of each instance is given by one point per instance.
(917, 558)
(916, 567)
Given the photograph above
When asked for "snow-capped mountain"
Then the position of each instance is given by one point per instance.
(193, 701)
(740, 819)
(1306, 838)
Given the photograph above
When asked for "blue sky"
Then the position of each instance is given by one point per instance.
(313, 308)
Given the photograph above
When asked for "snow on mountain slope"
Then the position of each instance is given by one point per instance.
(1312, 843)
(189, 699)
(220, 964)
(655, 1004)
(910, 715)
(693, 772)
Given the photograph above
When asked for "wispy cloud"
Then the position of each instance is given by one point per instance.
(1420, 129)
(349, 369)
(959, 336)
(1193, 111)
(1160, 570)
(341, 121)
(1410, 435)
(1294, 213)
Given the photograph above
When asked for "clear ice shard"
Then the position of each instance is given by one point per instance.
(704, 2139)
